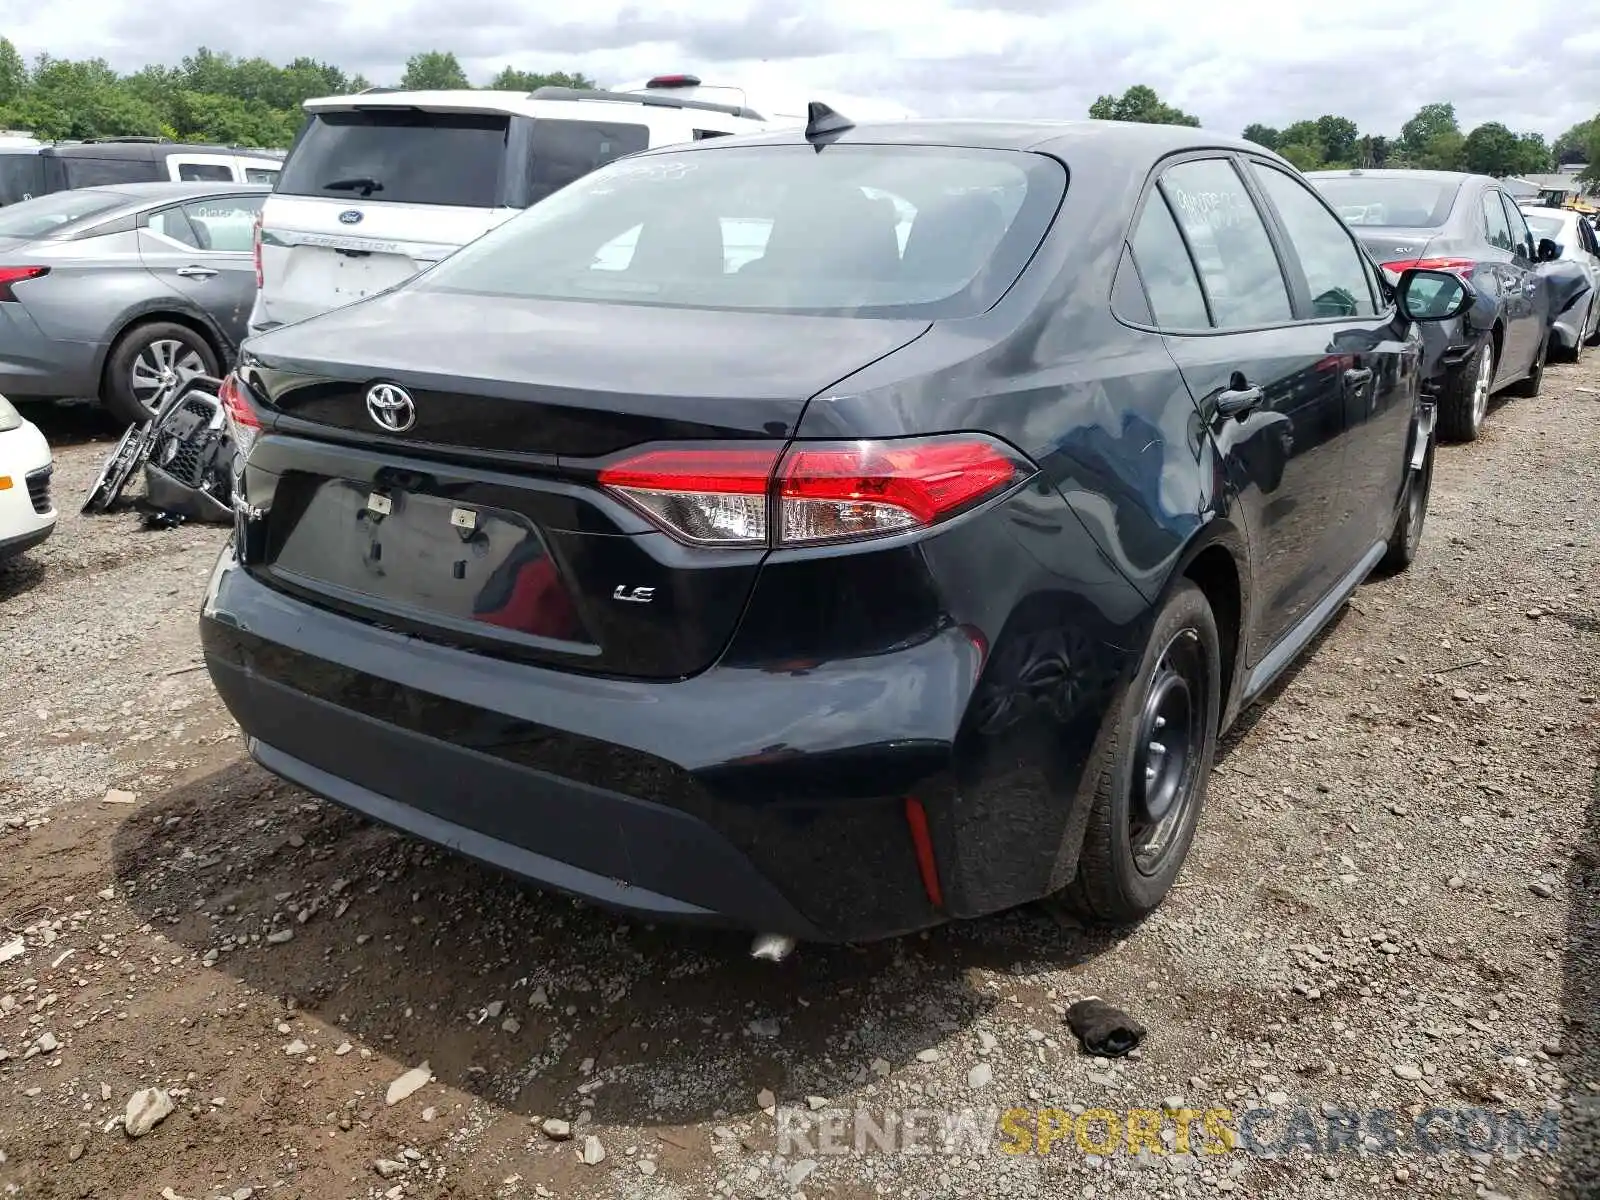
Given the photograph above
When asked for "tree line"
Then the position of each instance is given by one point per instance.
(1431, 140)
(208, 97)
(214, 97)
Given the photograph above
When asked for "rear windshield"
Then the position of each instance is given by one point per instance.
(1550, 227)
(403, 156)
(871, 231)
(43, 215)
(1397, 202)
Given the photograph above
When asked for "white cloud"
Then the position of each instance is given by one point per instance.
(1533, 66)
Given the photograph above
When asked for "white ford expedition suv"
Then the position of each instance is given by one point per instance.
(382, 184)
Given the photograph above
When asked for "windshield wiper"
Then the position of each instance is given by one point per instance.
(364, 184)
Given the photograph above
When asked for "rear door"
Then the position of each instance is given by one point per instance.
(370, 196)
(1502, 266)
(201, 250)
(1531, 301)
(1371, 362)
(1244, 346)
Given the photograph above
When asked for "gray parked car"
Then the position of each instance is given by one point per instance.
(113, 291)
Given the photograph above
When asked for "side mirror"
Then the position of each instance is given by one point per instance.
(1549, 250)
(1433, 295)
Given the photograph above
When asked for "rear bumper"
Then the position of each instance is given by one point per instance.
(681, 800)
(34, 365)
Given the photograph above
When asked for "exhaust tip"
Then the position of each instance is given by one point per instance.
(773, 947)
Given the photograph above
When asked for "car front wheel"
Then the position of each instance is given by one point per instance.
(1464, 399)
(1152, 778)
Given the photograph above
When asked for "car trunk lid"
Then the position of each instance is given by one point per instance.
(481, 522)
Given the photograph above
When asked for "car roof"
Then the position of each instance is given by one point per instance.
(145, 151)
(1118, 137)
(557, 103)
(1456, 177)
(144, 193)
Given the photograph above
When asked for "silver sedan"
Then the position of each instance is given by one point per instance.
(114, 291)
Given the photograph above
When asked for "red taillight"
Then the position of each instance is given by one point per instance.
(10, 275)
(862, 488)
(1462, 266)
(255, 248)
(244, 426)
(819, 492)
(674, 81)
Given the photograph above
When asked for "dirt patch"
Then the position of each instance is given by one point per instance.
(1393, 903)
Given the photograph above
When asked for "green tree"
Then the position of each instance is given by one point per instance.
(1490, 149)
(1533, 155)
(1573, 145)
(1262, 135)
(1419, 137)
(13, 73)
(1308, 157)
(1338, 137)
(511, 79)
(433, 70)
(1140, 103)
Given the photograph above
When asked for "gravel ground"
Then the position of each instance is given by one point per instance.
(1391, 906)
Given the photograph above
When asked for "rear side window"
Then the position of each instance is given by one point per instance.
(1328, 255)
(260, 175)
(193, 172)
(43, 215)
(399, 157)
(1167, 270)
(1521, 235)
(567, 150)
(1496, 225)
(1231, 248)
(98, 172)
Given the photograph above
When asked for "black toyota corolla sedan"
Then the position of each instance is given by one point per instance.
(825, 534)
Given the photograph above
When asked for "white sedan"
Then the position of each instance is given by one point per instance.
(1579, 324)
(27, 516)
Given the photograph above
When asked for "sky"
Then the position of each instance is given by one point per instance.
(1533, 65)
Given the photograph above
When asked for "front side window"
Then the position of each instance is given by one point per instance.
(1495, 223)
(1231, 247)
(225, 224)
(868, 231)
(399, 156)
(1167, 270)
(563, 151)
(1333, 266)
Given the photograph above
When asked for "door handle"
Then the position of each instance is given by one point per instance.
(196, 272)
(1356, 376)
(1238, 401)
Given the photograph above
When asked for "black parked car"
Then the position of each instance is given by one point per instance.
(26, 172)
(827, 534)
(1467, 224)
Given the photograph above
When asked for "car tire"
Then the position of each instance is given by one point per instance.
(1528, 387)
(1131, 855)
(151, 348)
(1464, 398)
(1406, 538)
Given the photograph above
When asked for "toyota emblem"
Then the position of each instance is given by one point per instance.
(391, 407)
